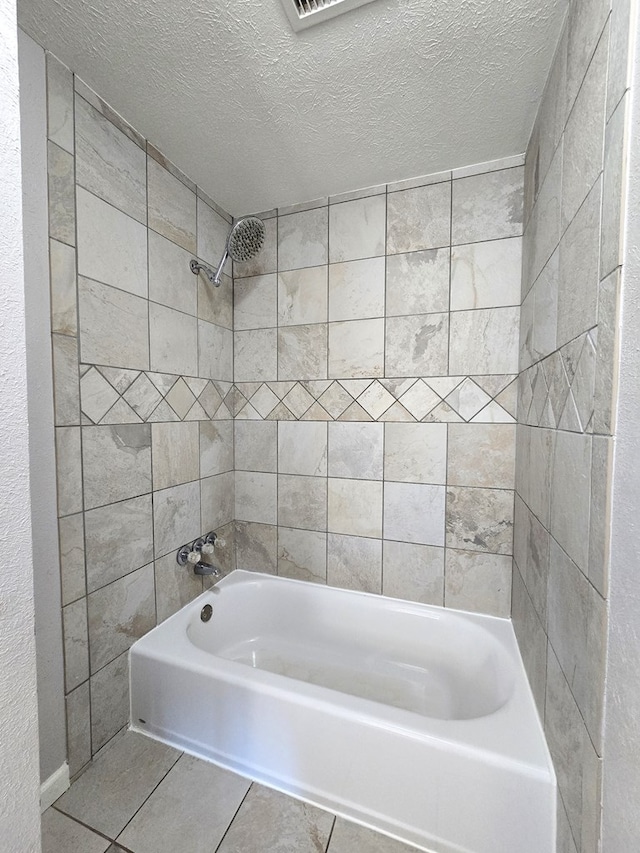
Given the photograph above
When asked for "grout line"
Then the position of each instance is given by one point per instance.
(236, 813)
(330, 836)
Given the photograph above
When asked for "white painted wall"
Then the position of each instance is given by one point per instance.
(46, 562)
(19, 778)
(621, 782)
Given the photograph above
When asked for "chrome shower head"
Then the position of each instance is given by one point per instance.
(246, 238)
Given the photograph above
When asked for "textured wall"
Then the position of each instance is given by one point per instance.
(375, 351)
(46, 561)
(571, 282)
(142, 353)
(19, 788)
(621, 778)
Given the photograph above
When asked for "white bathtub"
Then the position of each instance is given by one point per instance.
(411, 719)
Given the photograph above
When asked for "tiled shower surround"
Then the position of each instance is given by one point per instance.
(142, 355)
(375, 356)
(571, 282)
(375, 342)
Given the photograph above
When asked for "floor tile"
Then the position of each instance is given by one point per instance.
(349, 837)
(270, 822)
(60, 834)
(203, 796)
(110, 792)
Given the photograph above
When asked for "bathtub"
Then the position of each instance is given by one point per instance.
(411, 719)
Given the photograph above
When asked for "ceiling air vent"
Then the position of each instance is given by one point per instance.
(305, 13)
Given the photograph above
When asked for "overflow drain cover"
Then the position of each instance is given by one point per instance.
(206, 612)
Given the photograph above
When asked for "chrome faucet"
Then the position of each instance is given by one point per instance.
(193, 555)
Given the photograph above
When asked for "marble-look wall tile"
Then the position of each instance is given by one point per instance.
(544, 225)
(119, 539)
(215, 304)
(256, 445)
(173, 341)
(218, 497)
(599, 521)
(413, 572)
(480, 519)
(257, 547)
(215, 352)
(72, 570)
(417, 345)
(354, 562)
(109, 701)
(302, 502)
(175, 453)
(486, 275)
(356, 450)
(414, 513)
(172, 207)
(356, 289)
(484, 341)
(356, 348)
(531, 552)
(579, 270)
(570, 495)
(302, 554)
(584, 25)
(303, 239)
(357, 229)
(78, 710)
(418, 282)
(481, 455)
(302, 352)
(255, 302)
(618, 70)
(59, 104)
(577, 632)
(487, 206)
(76, 644)
(419, 218)
(62, 208)
(116, 462)
(532, 639)
(171, 282)
(256, 497)
(355, 507)
(256, 355)
(212, 233)
(126, 317)
(112, 247)
(478, 582)
(66, 386)
(216, 447)
(302, 448)
(108, 163)
(612, 193)
(119, 614)
(176, 517)
(69, 470)
(584, 135)
(415, 453)
(62, 271)
(175, 586)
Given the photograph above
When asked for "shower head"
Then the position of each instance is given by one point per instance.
(244, 241)
(246, 238)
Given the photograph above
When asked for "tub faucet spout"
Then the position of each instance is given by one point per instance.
(207, 570)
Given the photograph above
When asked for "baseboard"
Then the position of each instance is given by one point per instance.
(54, 786)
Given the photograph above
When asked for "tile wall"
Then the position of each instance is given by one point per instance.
(571, 278)
(376, 350)
(143, 359)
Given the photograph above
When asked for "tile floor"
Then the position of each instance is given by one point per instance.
(140, 796)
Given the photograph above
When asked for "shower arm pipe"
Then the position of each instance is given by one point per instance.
(218, 272)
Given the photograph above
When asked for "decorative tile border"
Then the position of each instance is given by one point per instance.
(112, 395)
(435, 399)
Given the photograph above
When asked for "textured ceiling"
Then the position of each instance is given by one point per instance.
(260, 116)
